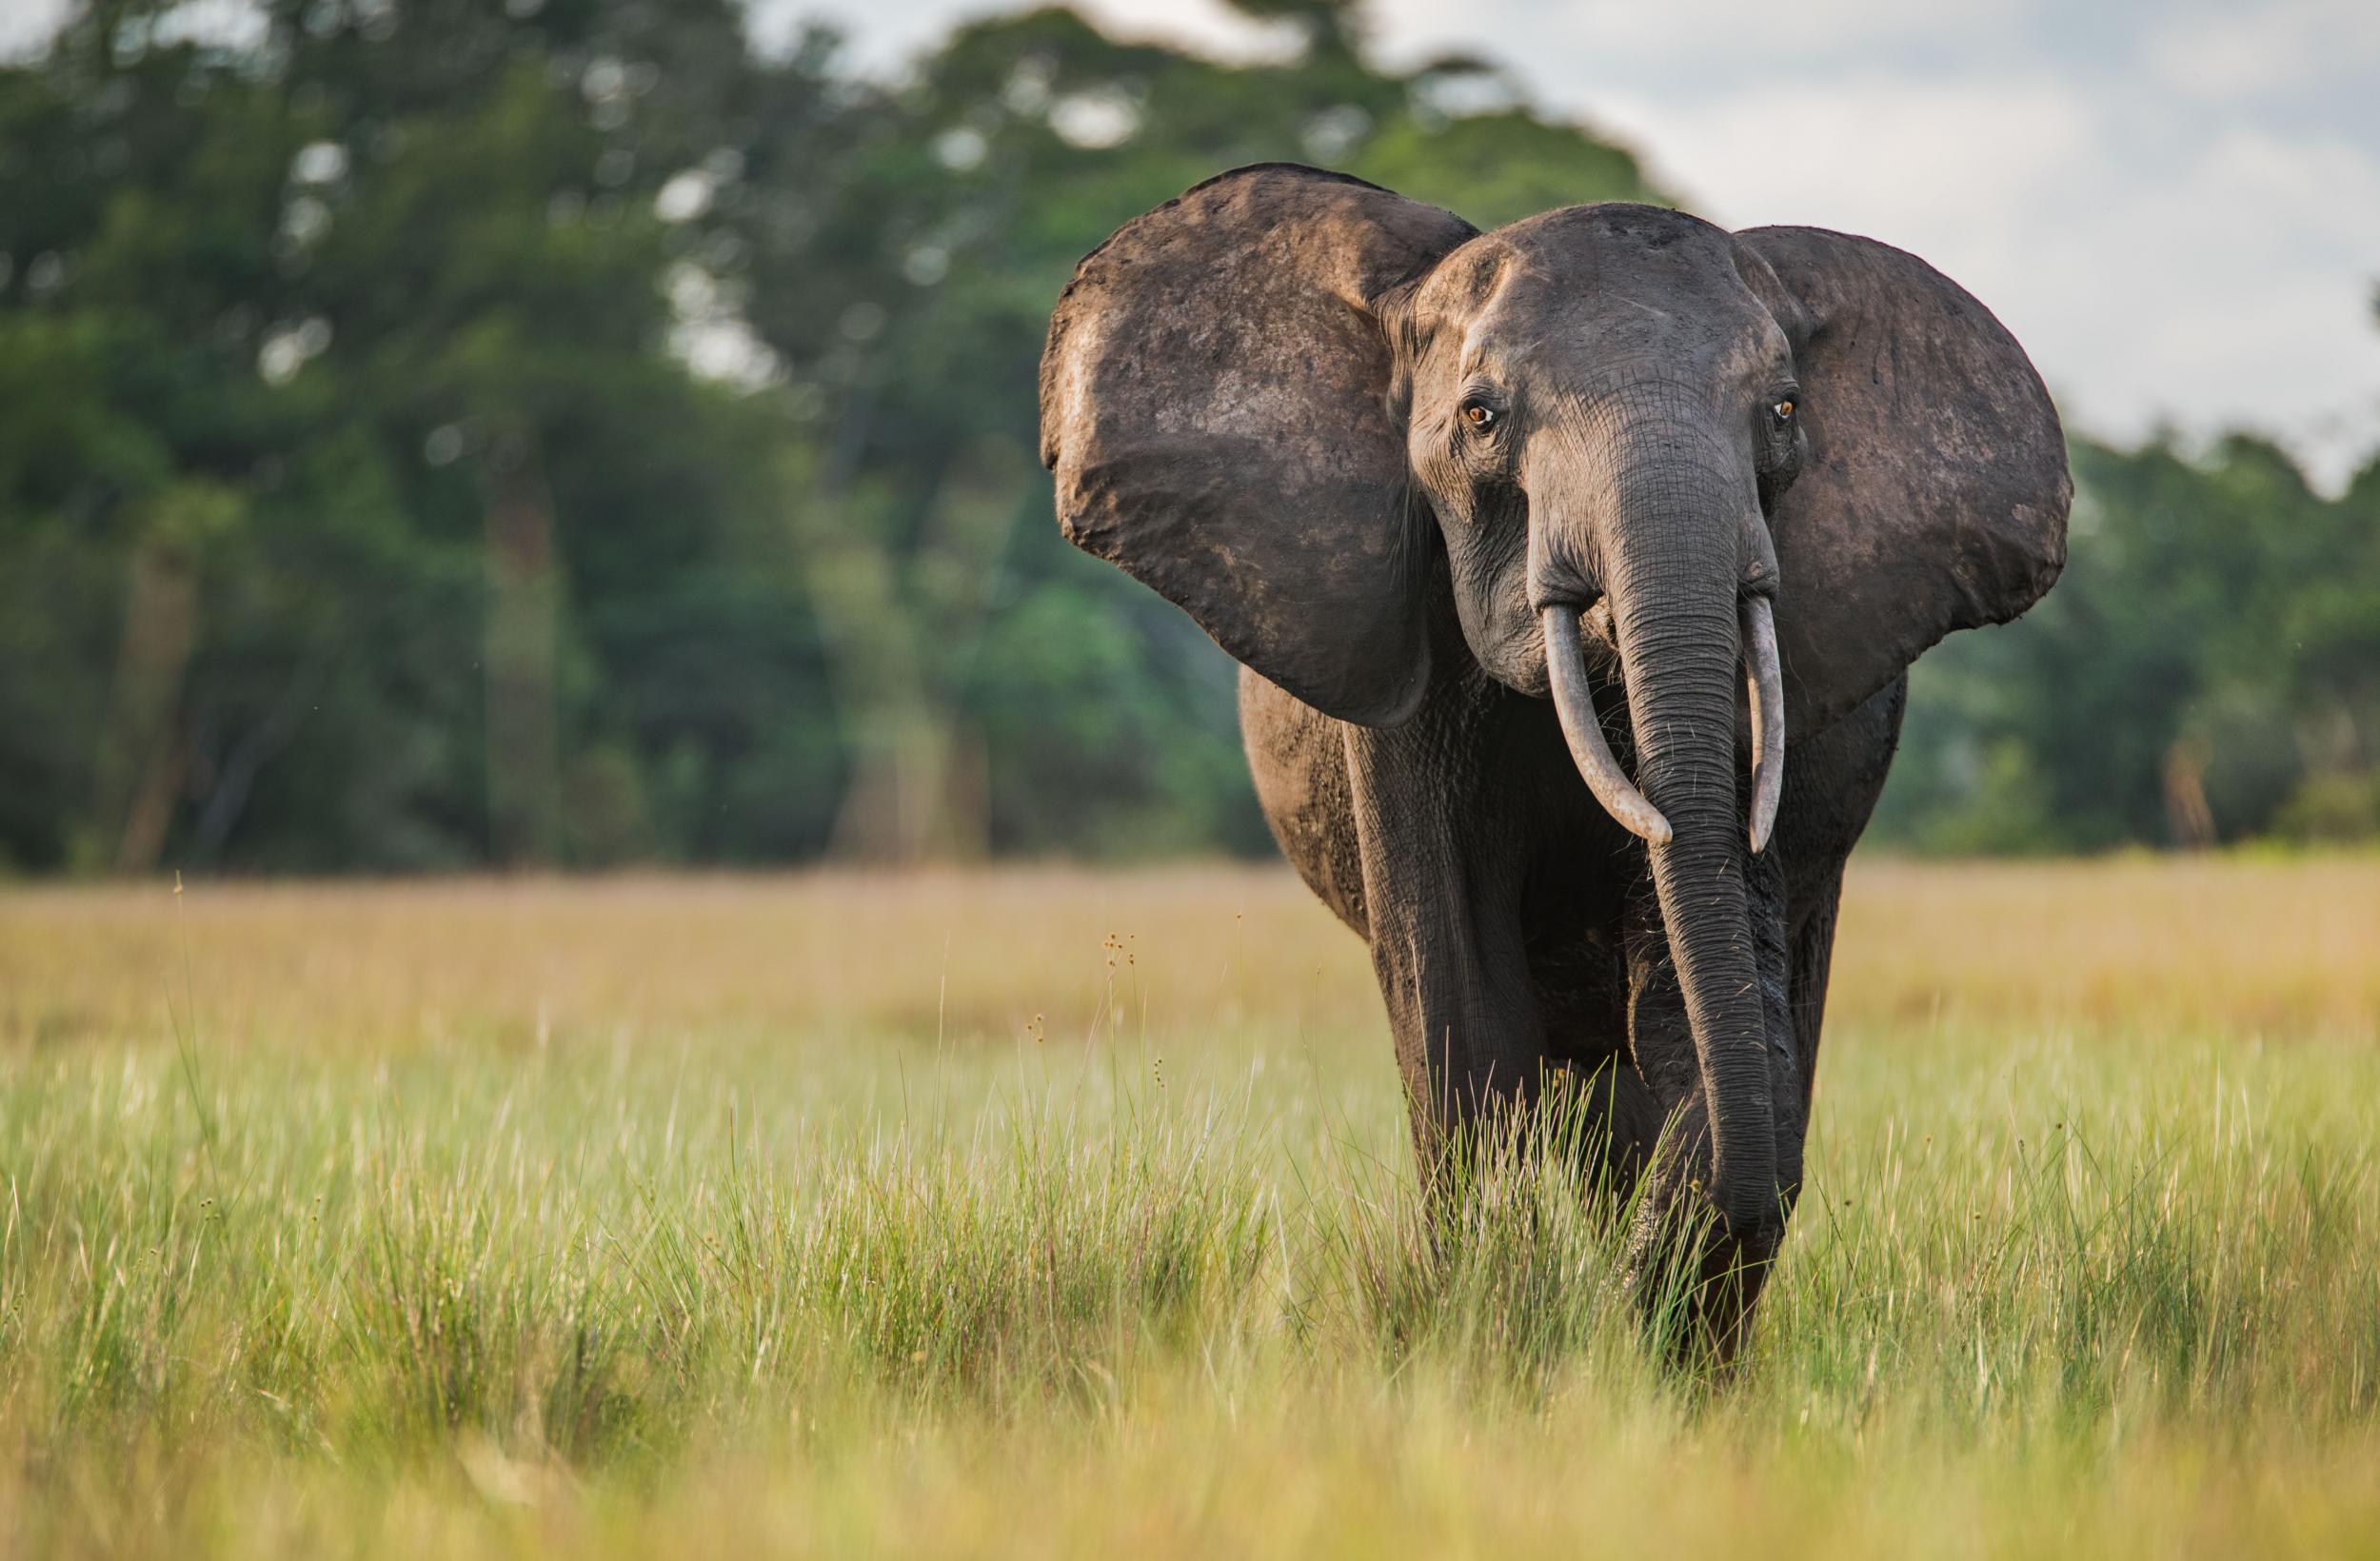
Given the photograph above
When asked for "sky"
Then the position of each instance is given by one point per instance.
(2174, 204)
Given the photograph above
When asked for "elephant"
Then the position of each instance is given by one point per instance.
(1534, 544)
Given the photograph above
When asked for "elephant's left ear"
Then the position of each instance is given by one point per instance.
(1934, 490)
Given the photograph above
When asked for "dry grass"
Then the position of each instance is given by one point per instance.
(2237, 946)
(2140, 944)
(1048, 1212)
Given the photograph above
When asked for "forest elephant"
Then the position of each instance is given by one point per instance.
(1608, 495)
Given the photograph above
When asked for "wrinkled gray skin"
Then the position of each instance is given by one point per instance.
(1368, 449)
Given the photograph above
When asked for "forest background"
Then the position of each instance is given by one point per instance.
(566, 434)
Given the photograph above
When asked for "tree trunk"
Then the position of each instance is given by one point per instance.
(142, 757)
(2187, 815)
(519, 651)
(918, 788)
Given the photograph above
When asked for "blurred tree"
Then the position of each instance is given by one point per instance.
(437, 433)
(355, 332)
(2208, 669)
(433, 432)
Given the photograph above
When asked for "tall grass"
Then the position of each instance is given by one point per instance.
(1046, 1212)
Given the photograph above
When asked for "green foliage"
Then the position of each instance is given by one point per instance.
(441, 433)
(2207, 670)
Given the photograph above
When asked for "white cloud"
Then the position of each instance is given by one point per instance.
(1703, 36)
(2248, 302)
(2246, 53)
(1905, 161)
(27, 25)
(886, 34)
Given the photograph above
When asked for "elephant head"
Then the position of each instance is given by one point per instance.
(1761, 471)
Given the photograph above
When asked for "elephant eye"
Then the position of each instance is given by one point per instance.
(1478, 414)
(1784, 410)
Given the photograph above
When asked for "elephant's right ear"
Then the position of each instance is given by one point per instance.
(1215, 403)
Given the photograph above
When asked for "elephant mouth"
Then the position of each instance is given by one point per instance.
(1600, 633)
(1568, 632)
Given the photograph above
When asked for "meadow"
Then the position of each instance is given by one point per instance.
(1044, 1212)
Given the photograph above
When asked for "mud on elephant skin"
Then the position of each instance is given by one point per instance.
(1538, 545)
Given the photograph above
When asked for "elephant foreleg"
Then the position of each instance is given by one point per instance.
(1447, 944)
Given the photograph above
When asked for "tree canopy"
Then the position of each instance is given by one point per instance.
(436, 433)
(2207, 670)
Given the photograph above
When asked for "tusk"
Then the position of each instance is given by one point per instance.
(1765, 682)
(1566, 669)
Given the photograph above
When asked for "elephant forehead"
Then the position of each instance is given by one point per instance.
(1570, 298)
(1638, 249)
(1597, 343)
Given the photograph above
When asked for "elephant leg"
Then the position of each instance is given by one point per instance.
(1771, 920)
(1297, 758)
(1813, 958)
(1447, 942)
(1830, 790)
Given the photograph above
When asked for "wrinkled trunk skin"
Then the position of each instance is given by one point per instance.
(1671, 567)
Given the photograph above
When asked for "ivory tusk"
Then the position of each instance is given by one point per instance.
(1764, 682)
(1566, 670)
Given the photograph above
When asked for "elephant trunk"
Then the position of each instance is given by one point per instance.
(1691, 650)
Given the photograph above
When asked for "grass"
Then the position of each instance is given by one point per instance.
(1044, 1213)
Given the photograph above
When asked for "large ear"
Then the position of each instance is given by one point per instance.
(1215, 402)
(1933, 490)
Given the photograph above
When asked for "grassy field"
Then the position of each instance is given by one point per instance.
(1046, 1212)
